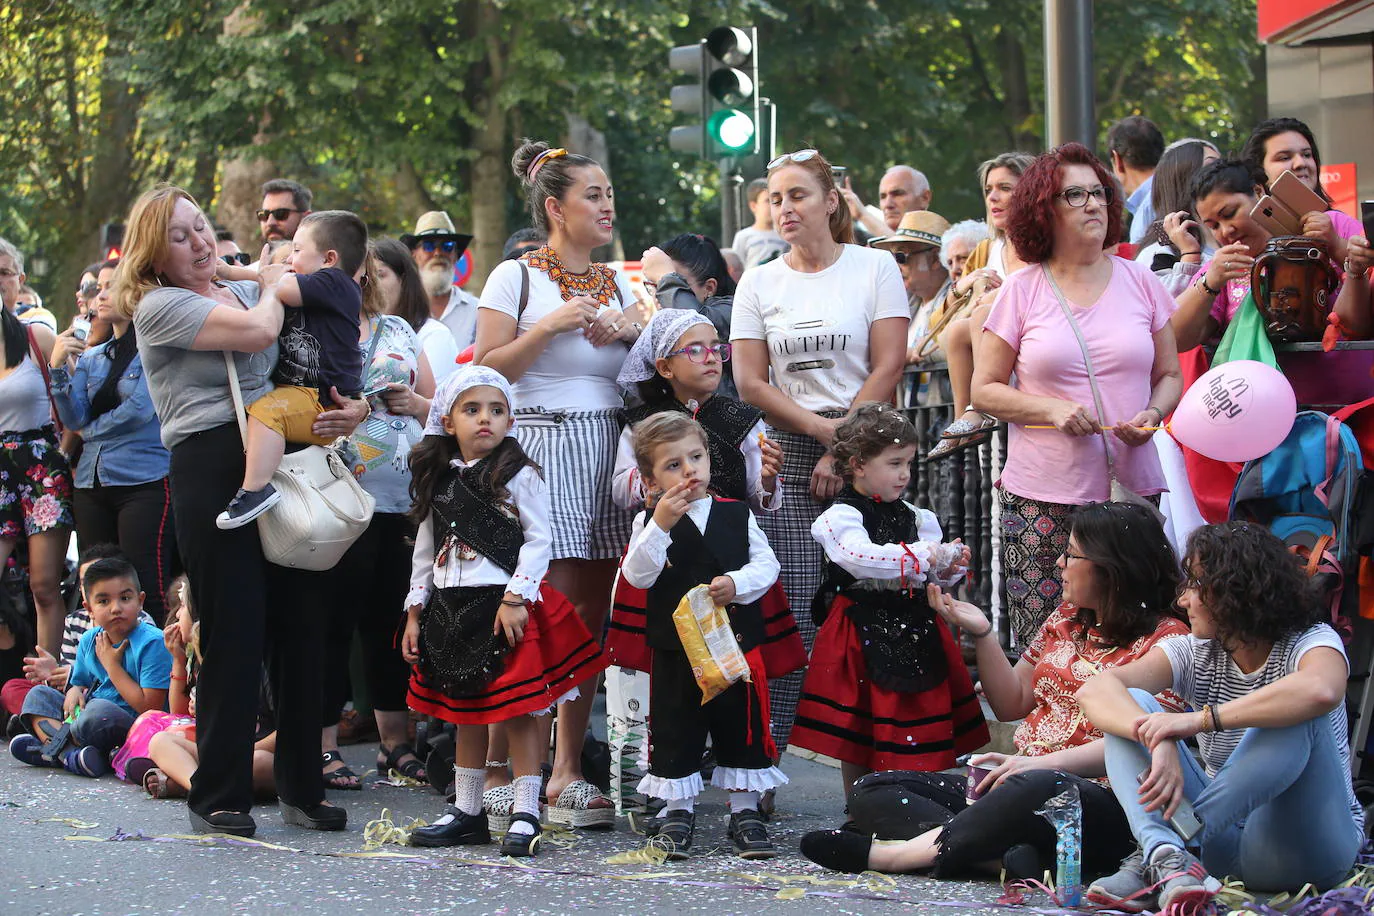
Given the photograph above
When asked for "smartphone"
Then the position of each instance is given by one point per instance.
(1296, 196)
(1276, 218)
(80, 328)
(1367, 217)
(1185, 821)
(380, 389)
(839, 173)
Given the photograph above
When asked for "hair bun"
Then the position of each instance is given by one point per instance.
(524, 157)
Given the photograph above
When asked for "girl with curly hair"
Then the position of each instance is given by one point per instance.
(881, 657)
(1266, 679)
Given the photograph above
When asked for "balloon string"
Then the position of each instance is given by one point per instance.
(1052, 426)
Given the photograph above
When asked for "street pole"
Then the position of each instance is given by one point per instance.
(731, 201)
(1069, 86)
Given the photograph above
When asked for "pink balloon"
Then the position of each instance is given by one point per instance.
(1237, 411)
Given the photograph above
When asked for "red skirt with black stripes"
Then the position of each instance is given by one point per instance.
(555, 655)
(844, 715)
(782, 648)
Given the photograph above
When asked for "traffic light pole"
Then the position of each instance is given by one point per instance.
(731, 201)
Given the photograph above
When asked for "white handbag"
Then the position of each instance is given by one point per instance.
(323, 509)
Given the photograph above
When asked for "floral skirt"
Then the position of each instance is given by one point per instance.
(35, 484)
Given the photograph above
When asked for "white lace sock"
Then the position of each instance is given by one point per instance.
(743, 801)
(526, 802)
(678, 804)
(467, 789)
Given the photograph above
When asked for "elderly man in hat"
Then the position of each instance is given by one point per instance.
(436, 246)
(916, 248)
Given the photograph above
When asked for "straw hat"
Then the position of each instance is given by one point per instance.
(921, 227)
(436, 225)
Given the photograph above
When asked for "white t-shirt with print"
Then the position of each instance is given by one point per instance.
(816, 325)
(570, 374)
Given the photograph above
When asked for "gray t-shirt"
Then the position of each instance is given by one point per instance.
(190, 388)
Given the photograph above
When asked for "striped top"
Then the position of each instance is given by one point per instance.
(1204, 673)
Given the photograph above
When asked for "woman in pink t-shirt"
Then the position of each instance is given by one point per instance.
(1065, 215)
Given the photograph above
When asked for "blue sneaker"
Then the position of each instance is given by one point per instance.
(29, 749)
(86, 761)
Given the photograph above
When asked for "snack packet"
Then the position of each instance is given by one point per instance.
(704, 629)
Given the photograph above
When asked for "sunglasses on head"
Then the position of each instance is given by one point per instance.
(431, 245)
(801, 155)
(238, 257)
(279, 214)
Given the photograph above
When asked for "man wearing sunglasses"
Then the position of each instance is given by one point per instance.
(436, 247)
(284, 204)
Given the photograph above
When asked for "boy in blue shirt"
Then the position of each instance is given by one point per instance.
(122, 669)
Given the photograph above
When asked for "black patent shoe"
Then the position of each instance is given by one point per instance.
(750, 835)
(316, 817)
(453, 828)
(674, 834)
(521, 845)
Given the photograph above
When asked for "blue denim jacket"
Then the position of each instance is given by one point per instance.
(124, 445)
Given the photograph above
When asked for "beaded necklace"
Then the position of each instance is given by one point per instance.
(598, 282)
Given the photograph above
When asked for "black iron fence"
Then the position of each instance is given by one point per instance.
(958, 489)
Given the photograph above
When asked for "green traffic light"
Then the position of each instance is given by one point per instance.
(732, 129)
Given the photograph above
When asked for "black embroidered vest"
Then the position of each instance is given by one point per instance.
(726, 421)
(695, 558)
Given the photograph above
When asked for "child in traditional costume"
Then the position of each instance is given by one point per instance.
(691, 539)
(490, 643)
(887, 688)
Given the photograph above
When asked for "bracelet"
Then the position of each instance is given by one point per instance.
(512, 603)
(492, 764)
(984, 634)
(1216, 719)
(1184, 254)
(1159, 413)
(178, 677)
(1208, 717)
(1202, 281)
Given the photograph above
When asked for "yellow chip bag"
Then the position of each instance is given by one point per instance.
(704, 629)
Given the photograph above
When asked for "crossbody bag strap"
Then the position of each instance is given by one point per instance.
(1088, 362)
(371, 349)
(240, 412)
(524, 291)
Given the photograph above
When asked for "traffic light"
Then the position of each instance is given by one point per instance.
(112, 240)
(732, 84)
(724, 96)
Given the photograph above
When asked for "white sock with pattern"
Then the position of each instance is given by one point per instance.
(743, 801)
(526, 801)
(467, 789)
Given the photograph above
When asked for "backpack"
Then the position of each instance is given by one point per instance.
(1305, 492)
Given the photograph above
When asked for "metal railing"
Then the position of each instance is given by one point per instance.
(958, 489)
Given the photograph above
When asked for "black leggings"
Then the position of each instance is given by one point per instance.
(899, 805)
(139, 519)
(249, 610)
(367, 590)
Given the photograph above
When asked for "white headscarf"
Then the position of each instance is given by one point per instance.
(662, 333)
(453, 385)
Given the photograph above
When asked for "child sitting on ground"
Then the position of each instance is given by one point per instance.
(692, 538)
(41, 667)
(122, 669)
(887, 688)
(319, 357)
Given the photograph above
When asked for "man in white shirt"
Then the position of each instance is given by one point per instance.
(436, 247)
(902, 190)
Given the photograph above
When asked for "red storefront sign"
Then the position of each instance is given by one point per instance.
(1338, 181)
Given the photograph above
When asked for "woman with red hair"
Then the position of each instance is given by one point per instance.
(1087, 336)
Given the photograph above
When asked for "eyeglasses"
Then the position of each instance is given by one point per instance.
(1073, 556)
(697, 352)
(447, 246)
(1189, 583)
(238, 257)
(915, 257)
(801, 155)
(1078, 197)
(279, 214)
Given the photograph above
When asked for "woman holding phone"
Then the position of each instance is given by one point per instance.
(122, 495)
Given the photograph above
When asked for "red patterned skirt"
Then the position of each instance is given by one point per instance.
(555, 655)
(782, 648)
(844, 715)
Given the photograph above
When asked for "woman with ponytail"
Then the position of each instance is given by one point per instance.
(552, 323)
(122, 496)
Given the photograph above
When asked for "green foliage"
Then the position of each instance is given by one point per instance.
(388, 107)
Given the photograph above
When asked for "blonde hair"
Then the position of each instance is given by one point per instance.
(660, 429)
(145, 243)
(374, 300)
(841, 224)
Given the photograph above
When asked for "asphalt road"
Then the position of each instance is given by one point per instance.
(82, 846)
